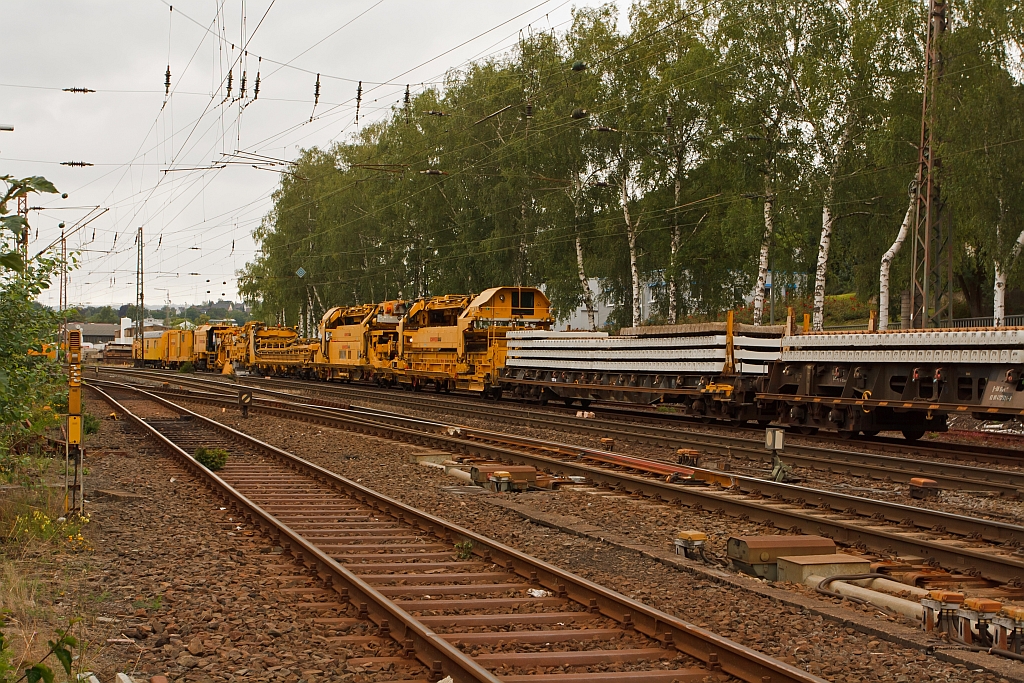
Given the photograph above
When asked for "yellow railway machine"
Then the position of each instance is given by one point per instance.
(458, 341)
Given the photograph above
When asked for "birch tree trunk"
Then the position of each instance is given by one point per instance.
(631, 233)
(673, 288)
(818, 318)
(762, 263)
(588, 296)
(999, 287)
(883, 271)
(999, 296)
(674, 246)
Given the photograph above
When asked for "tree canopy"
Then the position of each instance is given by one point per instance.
(675, 163)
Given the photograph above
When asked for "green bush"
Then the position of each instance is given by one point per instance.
(90, 423)
(212, 459)
(186, 367)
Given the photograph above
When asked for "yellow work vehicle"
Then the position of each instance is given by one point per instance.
(207, 341)
(272, 350)
(149, 349)
(458, 341)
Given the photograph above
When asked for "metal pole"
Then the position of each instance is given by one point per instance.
(931, 261)
(140, 304)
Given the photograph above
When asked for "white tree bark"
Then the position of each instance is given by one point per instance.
(883, 271)
(588, 296)
(818, 318)
(762, 264)
(673, 286)
(999, 288)
(631, 235)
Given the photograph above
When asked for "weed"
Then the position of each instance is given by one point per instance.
(186, 367)
(36, 525)
(153, 604)
(61, 648)
(90, 423)
(212, 459)
(464, 550)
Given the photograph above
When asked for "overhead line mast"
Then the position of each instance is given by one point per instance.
(931, 292)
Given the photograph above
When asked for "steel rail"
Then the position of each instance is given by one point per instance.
(946, 475)
(988, 454)
(716, 651)
(875, 534)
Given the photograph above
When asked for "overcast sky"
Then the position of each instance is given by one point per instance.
(198, 223)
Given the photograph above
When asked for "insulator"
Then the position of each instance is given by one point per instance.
(256, 88)
(359, 99)
(316, 91)
(580, 113)
(167, 81)
(241, 87)
(668, 121)
(529, 111)
(406, 104)
(230, 75)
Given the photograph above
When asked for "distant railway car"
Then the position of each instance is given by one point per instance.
(46, 349)
(458, 342)
(179, 348)
(150, 349)
(276, 350)
(117, 351)
(207, 343)
(711, 370)
(344, 338)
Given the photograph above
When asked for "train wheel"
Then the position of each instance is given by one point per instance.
(913, 434)
(567, 401)
(585, 402)
(807, 431)
(847, 434)
(870, 432)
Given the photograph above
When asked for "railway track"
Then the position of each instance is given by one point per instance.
(447, 601)
(966, 545)
(949, 475)
(680, 424)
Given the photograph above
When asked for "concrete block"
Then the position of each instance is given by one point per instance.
(796, 569)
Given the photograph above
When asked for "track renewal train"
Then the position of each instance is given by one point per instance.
(501, 343)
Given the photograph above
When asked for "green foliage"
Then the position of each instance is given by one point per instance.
(62, 649)
(152, 604)
(660, 154)
(13, 226)
(212, 459)
(186, 367)
(36, 525)
(31, 385)
(90, 423)
(464, 550)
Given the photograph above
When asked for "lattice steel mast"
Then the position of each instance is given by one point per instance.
(931, 293)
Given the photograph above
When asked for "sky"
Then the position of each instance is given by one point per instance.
(181, 164)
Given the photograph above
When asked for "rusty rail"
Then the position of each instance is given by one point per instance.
(715, 651)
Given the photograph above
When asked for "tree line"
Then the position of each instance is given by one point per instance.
(681, 160)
